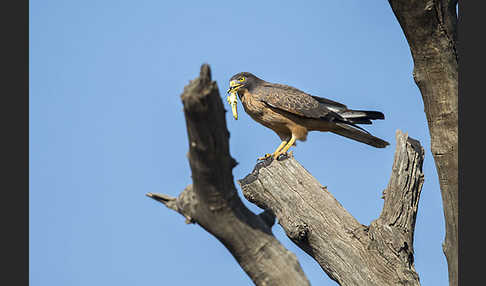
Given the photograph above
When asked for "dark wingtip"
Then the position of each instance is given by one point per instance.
(381, 144)
(375, 115)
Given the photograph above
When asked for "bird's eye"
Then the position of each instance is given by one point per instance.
(241, 78)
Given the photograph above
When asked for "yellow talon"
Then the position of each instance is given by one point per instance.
(265, 157)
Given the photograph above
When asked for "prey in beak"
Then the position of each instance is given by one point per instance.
(232, 98)
(234, 86)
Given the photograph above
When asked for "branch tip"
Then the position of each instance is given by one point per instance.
(167, 200)
(205, 72)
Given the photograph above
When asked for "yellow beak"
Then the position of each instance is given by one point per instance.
(234, 85)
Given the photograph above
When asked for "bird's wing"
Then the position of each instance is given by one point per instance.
(332, 105)
(295, 101)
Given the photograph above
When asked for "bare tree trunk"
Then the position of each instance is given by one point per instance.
(431, 31)
(212, 200)
(349, 252)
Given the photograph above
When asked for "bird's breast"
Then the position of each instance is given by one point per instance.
(252, 105)
(261, 113)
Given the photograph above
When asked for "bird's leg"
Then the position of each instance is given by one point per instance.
(279, 147)
(284, 149)
(276, 151)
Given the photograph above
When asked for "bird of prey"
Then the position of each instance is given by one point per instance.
(292, 113)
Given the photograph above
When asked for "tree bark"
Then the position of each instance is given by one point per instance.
(431, 31)
(349, 252)
(212, 200)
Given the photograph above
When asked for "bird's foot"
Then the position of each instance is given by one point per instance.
(277, 155)
(282, 155)
(265, 157)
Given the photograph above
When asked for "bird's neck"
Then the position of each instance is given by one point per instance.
(241, 92)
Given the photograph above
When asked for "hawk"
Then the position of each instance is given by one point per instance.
(292, 113)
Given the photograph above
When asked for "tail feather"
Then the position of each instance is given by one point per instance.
(362, 114)
(359, 120)
(350, 131)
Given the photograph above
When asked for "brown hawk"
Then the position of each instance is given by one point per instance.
(292, 113)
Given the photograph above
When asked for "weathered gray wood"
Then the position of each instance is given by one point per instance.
(431, 31)
(349, 252)
(212, 200)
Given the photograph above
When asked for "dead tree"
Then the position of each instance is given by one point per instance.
(349, 252)
(212, 200)
(430, 27)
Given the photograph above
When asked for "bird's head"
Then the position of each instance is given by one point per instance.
(242, 80)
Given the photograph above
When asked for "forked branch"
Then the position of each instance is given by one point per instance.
(349, 252)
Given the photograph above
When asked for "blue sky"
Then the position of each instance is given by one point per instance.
(106, 127)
